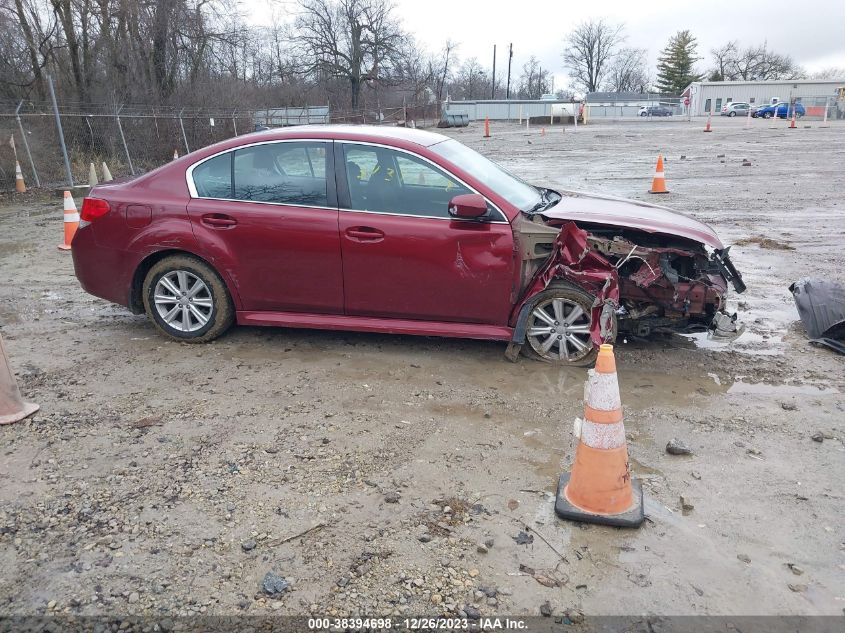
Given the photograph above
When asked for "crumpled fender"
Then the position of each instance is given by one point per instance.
(574, 261)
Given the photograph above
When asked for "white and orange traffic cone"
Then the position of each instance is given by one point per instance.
(658, 183)
(792, 125)
(71, 221)
(600, 488)
(12, 406)
(20, 186)
(707, 127)
(487, 127)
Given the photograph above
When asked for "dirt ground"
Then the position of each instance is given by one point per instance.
(392, 475)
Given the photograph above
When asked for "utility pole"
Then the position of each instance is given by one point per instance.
(493, 89)
(539, 81)
(510, 57)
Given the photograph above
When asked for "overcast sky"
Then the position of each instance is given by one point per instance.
(812, 33)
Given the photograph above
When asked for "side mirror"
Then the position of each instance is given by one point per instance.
(468, 206)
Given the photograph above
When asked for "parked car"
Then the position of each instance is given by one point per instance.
(392, 230)
(783, 110)
(736, 108)
(656, 110)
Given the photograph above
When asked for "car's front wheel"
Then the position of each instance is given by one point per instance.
(767, 115)
(187, 300)
(558, 327)
(732, 113)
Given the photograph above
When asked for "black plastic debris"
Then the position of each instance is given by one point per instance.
(821, 306)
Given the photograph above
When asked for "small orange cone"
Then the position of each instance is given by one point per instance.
(707, 127)
(600, 488)
(792, 125)
(658, 183)
(71, 221)
(12, 407)
(20, 186)
(487, 127)
(542, 131)
(175, 154)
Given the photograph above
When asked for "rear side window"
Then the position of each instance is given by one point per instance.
(213, 178)
(284, 173)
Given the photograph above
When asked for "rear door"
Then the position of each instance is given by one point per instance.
(403, 255)
(266, 215)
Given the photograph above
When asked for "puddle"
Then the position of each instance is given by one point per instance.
(765, 389)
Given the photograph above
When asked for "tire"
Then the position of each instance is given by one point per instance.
(731, 113)
(767, 115)
(211, 300)
(571, 296)
(643, 113)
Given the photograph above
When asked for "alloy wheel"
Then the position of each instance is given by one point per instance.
(559, 329)
(183, 301)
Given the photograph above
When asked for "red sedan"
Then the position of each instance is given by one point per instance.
(392, 230)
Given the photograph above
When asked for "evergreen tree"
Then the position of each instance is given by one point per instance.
(675, 64)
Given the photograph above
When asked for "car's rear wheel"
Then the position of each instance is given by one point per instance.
(558, 327)
(767, 115)
(187, 300)
(731, 113)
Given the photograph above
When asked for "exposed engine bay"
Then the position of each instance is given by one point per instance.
(645, 281)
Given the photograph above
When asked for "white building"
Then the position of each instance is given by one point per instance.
(710, 96)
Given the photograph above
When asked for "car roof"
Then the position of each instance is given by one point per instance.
(352, 132)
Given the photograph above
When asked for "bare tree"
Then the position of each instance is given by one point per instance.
(443, 68)
(757, 62)
(357, 40)
(628, 71)
(590, 48)
(534, 81)
(471, 81)
(831, 72)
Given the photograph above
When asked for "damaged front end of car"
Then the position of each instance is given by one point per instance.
(644, 282)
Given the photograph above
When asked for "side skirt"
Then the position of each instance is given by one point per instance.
(375, 324)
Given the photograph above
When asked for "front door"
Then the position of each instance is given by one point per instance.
(266, 215)
(403, 255)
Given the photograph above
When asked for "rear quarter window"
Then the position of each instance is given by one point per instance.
(213, 178)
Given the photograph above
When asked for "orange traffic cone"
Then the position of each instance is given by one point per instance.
(12, 407)
(71, 221)
(487, 127)
(658, 183)
(792, 125)
(542, 131)
(600, 488)
(20, 186)
(707, 127)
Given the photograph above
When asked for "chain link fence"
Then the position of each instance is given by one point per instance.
(134, 139)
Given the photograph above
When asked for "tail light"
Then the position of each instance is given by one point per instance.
(93, 209)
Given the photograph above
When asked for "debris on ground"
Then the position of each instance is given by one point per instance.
(764, 242)
(677, 447)
(273, 584)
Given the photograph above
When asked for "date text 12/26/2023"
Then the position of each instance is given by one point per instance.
(423, 623)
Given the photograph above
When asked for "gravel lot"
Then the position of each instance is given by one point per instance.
(393, 475)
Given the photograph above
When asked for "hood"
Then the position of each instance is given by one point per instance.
(585, 207)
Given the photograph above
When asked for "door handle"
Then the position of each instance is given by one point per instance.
(218, 221)
(364, 234)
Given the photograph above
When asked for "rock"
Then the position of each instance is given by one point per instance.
(818, 436)
(425, 537)
(472, 612)
(686, 505)
(273, 584)
(574, 615)
(795, 569)
(134, 597)
(797, 588)
(546, 609)
(473, 573)
(248, 546)
(482, 548)
(523, 538)
(788, 406)
(745, 558)
(436, 598)
(677, 447)
(51, 604)
(391, 497)
(489, 543)
(696, 475)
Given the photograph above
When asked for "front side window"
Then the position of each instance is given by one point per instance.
(389, 181)
(284, 173)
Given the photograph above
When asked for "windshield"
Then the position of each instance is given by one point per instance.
(514, 190)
